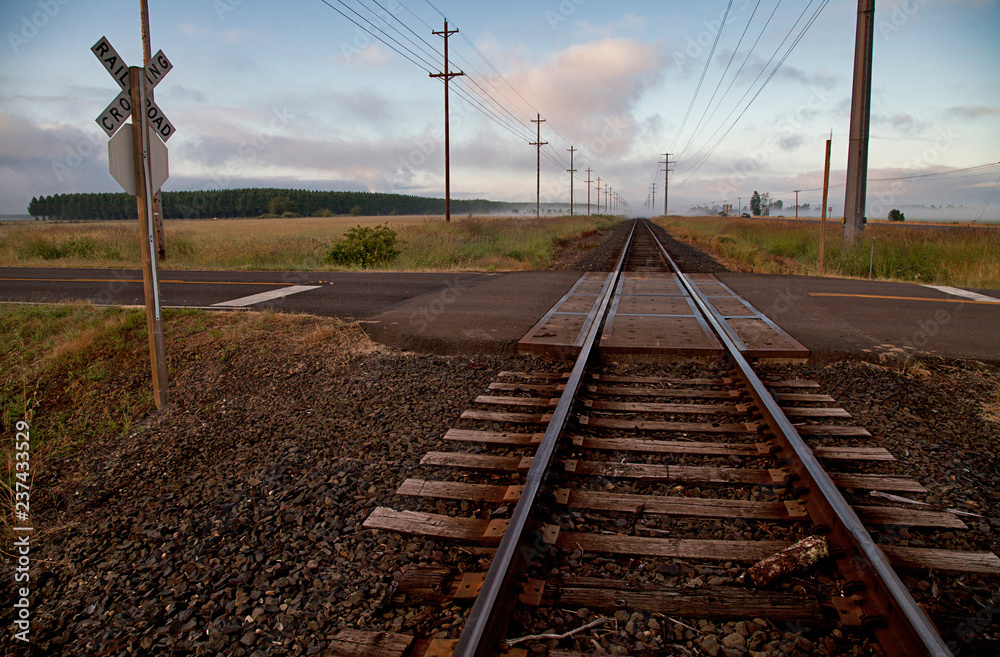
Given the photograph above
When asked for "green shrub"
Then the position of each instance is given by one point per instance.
(323, 212)
(40, 247)
(365, 246)
(356, 211)
(896, 215)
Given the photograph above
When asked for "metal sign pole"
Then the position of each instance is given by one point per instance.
(144, 203)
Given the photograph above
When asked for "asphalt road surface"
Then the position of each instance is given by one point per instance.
(468, 312)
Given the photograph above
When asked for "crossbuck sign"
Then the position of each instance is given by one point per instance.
(120, 108)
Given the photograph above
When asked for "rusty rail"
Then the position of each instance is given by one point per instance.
(487, 622)
(900, 624)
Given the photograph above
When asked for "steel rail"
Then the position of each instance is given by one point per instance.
(486, 624)
(903, 628)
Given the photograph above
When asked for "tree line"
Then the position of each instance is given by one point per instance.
(252, 202)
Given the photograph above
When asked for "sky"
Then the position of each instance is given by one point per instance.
(293, 94)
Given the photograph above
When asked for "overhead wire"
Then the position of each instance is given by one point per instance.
(704, 71)
(383, 41)
(698, 161)
(722, 78)
(805, 28)
(988, 201)
(553, 155)
(966, 172)
(418, 50)
(735, 77)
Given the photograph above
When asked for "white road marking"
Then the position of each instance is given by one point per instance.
(264, 296)
(965, 294)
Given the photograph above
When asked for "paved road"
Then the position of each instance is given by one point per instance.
(442, 313)
(463, 312)
(835, 315)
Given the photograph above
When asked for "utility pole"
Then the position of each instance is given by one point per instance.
(861, 99)
(571, 170)
(739, 202)
(447, 76)
(538, 143)
(666, 180)
(652, 191)
(607, 196)
(797, 203)
(588, 191)
(598, 195)
(822, 220)
(161, 240)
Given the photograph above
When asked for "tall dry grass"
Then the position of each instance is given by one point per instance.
(474, 243)
(960, 256)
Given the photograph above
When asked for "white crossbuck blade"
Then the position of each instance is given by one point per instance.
(120, 108)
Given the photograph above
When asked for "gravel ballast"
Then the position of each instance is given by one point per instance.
(231, 522)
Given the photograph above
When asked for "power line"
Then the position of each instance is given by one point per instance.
(375, 36)
(989, 200)
(704, 71)
(701, 160)
(738, 72)
(805, 28)
(416, 50)
(722, 78)
(969, 172)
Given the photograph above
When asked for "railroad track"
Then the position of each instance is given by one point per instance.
(636, 496)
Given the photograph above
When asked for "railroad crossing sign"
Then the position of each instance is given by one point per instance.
(120, 108)
(140, 174)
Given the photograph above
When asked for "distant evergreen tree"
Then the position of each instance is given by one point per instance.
(252, 202)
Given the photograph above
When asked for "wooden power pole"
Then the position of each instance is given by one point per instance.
(598, 195)
(538, 143)
(588, 191)
(447, 76)
(861, 100)
(822, 220)
(161, 239)
(571, 170)
(666, 180)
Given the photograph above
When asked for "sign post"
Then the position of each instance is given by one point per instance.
(139, 163)
(144, 200)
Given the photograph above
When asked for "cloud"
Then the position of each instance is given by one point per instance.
(973, 111)
(756, 64)
(790, 143)
(901, 122)
(234, 36)
(590, 90)
(194, 31)
(49, 159)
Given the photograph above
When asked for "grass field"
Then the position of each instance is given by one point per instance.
(964, 257)
(467, 243)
